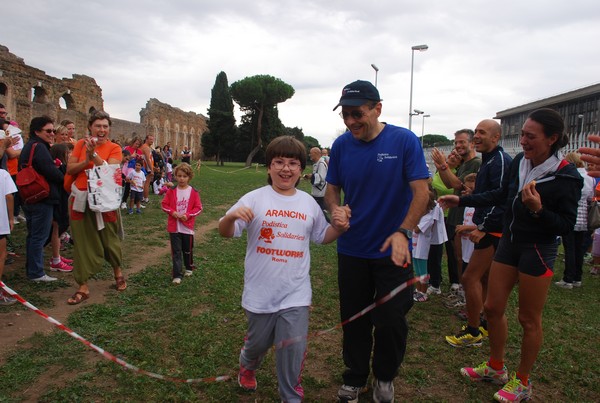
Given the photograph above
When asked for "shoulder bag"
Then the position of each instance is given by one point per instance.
(33, 187)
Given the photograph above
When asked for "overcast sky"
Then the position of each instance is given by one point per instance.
(483, 56)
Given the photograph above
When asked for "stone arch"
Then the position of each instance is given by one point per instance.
(177, 138)
(39, 95)
(3, 89)
(67, 101)
(192, 144)
(153, 130)
(185, 137)
(91, 110)
(167, 131)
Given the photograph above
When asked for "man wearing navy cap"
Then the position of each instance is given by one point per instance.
(382, 171)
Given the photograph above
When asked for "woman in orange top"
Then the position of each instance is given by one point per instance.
(93, 245)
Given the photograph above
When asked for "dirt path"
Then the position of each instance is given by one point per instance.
(18, 325)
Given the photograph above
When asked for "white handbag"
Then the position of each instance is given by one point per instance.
(105, 187)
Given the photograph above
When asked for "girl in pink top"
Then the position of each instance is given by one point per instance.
(182, 204)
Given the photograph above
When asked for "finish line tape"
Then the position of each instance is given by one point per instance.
(368, 309)
(221, 378)
(103, 352)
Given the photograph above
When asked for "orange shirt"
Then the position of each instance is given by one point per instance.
(12, 166)
(106, 151)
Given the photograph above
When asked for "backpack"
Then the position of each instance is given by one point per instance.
(33, 187)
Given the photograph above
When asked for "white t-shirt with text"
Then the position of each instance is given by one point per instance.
(277, 260)
(7, 186)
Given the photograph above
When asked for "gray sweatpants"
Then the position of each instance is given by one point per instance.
(287, 330)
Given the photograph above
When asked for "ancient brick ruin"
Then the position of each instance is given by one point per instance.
(28, 92)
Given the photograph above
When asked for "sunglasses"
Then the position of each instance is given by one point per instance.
(49, 131)
(356, 115)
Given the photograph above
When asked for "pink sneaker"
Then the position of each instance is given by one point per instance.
(65, 260)
(247, 378)
(62, 266)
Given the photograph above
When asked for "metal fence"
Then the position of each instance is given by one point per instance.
(512, 147)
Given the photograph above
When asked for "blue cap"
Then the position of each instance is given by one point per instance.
(358, 93)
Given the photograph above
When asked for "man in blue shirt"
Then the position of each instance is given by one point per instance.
(382, 171)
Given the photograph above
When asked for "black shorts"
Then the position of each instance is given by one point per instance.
(529, 258)
(136, 196)
(487, 241)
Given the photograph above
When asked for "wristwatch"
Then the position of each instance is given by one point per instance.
(536, 214)
(94, 155)
(407, 233)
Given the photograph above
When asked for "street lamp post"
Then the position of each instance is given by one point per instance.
(582, 117)
(420, 48)
(423, 129)
(376, 71)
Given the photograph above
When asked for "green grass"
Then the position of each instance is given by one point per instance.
(195, 330)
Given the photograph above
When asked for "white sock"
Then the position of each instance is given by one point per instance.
(56, 260)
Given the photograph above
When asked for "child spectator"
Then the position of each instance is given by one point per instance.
(182, 204)
(464, 230)
(431, 229)
(280, 221)
(136, 180)
(7, 188)
(125, 169)
(467, 246)
(169, 169)
(60, 152)
(159, 184)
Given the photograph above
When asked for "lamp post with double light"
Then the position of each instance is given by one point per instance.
(423, 129)
(376, 71)
(420, 48)
(415, 113)
(582, 118)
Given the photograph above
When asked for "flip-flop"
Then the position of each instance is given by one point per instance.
(78, 298)
(121, 284)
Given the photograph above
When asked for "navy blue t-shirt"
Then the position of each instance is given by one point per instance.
(374, 177)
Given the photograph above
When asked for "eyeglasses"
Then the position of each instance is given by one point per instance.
(49, 131)
(280, 164)
(356, 115)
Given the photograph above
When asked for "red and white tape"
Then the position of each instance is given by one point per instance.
(363, 312)
(221, 378)
(105, 353)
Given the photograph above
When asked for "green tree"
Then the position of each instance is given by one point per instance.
(220, 139)
(436, 140)
(310, 142)
(258, 96)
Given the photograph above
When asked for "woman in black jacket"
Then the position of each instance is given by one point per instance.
(39, 215)
(541, 194)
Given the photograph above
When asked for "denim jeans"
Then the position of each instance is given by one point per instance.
(39, 224)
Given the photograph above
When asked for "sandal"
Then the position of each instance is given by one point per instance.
(78, 298)
(121, 284)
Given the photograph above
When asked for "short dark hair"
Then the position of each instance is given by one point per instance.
(552, 123)
(287, 147)
(470, 133)
(38, 124)
(99, 115)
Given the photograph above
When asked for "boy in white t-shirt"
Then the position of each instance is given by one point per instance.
(280, 221)
(467, 226)
(7, 188)
(431, 230)
(136, 180)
